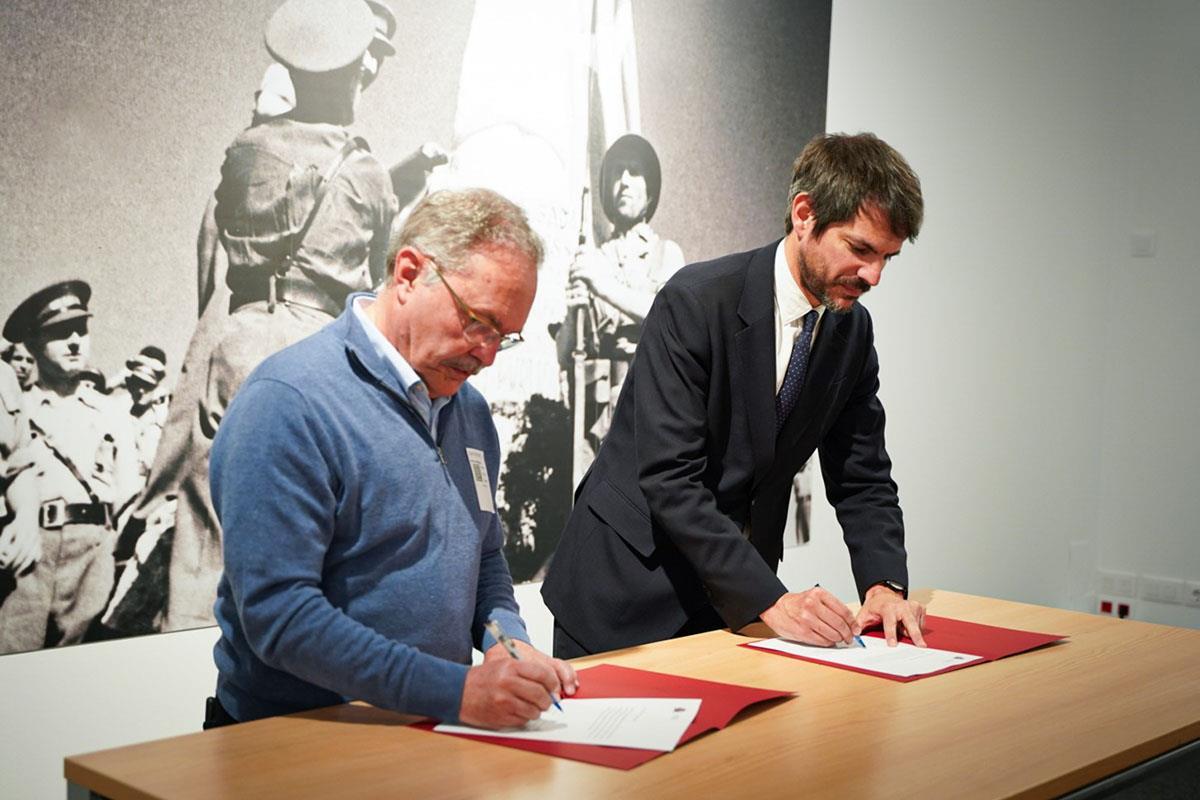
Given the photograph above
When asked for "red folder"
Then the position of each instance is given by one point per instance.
(720, 703)
(986, 641)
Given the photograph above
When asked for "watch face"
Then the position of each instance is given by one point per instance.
(895, 587)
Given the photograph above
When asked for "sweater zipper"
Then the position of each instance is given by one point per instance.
(423, 425)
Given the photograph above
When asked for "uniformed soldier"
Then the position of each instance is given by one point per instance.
(303, 213)
(613, 286)
(20, 541)
(145, 381)
(86, 468)
(17, 356)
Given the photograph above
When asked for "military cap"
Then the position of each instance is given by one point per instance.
(320, 35)
(149, 366)
(60, 302)
(630, 150)
(95, 377)
(385, 27)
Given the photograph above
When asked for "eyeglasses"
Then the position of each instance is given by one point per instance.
(477, 330)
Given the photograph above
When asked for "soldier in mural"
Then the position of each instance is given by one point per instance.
(20, 540)
(544, 87)
(17, 356)
(303, 214)
(146, 383)
(85, 465)
(611, 287)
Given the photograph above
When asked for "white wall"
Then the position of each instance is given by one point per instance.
(1148, 509)
(1039, 381)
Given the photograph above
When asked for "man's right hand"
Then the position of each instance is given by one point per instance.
(813, 617)
(505, 692)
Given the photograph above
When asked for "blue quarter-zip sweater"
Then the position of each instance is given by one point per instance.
(358, 562)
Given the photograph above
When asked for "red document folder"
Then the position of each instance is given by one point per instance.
(720, 703)
(986, 641)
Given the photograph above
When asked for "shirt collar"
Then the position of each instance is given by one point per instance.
(790, 302)
(409, 378)
(642, 230)
(37, 396)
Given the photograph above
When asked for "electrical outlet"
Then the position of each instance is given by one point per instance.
(1191, 594)
(1161, 590)
(1121, 607)
(1122, 584)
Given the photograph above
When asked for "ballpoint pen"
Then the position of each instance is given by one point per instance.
(500, 636)
(857, 639)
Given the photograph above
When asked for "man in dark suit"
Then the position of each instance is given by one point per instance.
(746, 365)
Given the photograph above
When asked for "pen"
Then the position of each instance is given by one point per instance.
(857, 639)
(500, 636)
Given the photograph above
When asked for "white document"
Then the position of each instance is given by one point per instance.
(904, 660)
(647, 723)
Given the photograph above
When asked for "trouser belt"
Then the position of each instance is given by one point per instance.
(54, 514)
(282, 289)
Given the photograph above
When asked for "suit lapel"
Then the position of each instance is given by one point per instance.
(754, 364)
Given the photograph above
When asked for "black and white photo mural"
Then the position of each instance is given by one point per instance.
(188, 187)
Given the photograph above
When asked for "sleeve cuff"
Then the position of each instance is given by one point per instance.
(435, 689)
(513, 625)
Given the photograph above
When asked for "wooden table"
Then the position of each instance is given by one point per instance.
(1040, 724)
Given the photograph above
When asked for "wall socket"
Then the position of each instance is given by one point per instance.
(1122, 584)
(1121, 607)
(1161, 590)
(1114, 587)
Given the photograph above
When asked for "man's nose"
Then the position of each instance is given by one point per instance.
(871, 271)
(485, 352)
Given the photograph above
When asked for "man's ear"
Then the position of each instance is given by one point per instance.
(406, 269)
(802, 213)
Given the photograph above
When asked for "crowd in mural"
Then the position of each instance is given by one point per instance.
(78, 448)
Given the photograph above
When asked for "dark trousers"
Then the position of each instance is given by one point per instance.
(215, 715)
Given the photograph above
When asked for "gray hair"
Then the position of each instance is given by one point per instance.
(449, 226)
(842, 173)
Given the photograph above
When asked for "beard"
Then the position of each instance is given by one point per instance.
(819, 286)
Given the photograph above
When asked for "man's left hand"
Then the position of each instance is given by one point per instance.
(882, 605)
(568, 683)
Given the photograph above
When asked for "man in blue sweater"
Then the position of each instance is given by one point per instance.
(354, 476)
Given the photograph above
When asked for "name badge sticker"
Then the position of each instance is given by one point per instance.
(483, 487)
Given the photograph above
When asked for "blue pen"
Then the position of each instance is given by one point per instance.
(498, 634)
(857, 639)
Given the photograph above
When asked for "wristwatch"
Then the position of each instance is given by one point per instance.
(895, 586)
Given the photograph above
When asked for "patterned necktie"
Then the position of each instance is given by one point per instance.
(793, 379)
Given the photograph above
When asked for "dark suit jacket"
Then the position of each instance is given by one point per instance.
(657, 541)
